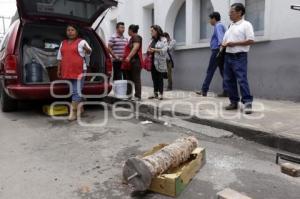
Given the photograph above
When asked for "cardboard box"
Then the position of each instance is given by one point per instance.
(173, 182)
(58, 110)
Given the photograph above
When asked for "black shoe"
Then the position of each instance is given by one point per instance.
(155, 96)
(231, 107)
(136, 99)
(248, 109)
(204, 94)
(224, 94)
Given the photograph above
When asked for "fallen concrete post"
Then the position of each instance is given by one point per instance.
(139, 172)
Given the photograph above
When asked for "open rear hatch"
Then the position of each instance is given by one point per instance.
(39, 48)
(84, 12)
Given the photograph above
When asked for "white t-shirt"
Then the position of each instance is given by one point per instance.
(239, 31)
(80, 50)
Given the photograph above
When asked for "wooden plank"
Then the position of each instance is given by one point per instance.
(190, 170)
(179, 186)
(290, 169)
(231, 194)
(164, 186)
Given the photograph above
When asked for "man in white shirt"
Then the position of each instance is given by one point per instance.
(237, 41)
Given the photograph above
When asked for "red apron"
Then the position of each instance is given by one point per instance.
(72, 62)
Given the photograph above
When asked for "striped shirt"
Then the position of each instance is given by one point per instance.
(118, 43)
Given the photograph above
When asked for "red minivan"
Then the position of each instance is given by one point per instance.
(37, 36)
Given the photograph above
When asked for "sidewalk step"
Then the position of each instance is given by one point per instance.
(279, 141)
(197, 128)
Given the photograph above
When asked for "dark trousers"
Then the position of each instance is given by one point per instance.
(236, 74)
(158, 81)
(134, 75)
(117, 70)
(170, 74)
(212, 67)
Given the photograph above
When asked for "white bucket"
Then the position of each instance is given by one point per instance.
(120, 89)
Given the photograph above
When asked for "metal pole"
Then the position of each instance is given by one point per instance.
(3, 25)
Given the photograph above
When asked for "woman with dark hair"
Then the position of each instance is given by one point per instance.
(72, 66)
(133, 61)
(158, 47)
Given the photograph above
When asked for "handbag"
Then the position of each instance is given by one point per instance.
(148, 62)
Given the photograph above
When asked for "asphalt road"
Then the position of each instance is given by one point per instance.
(41, 158)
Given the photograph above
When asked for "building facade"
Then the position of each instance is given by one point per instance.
(274, 61)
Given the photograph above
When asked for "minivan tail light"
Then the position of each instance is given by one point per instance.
(10, 65)
(108, 64)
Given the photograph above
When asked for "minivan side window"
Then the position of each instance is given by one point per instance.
(4, 42)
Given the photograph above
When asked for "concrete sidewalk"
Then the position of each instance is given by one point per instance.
(273, 123)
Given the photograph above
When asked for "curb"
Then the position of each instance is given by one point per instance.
(262, 137)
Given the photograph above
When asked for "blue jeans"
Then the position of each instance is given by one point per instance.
(77, 86)
(212, 67)
(236, 73)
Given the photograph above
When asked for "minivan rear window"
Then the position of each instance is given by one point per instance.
(82, 10)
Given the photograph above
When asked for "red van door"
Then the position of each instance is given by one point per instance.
(83, 12)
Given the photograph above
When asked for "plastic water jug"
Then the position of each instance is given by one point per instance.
(34, 72)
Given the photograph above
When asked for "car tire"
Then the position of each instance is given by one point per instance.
(7, 103)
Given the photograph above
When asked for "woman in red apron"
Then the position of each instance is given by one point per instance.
(72, 65)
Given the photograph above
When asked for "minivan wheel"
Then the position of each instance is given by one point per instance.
(7, 103)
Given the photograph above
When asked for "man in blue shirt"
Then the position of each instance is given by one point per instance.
(216, 42)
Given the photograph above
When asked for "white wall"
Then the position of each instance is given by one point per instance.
(280, 21)
(283, 22)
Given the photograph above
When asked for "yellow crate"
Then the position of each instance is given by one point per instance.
(173, 182)
(58, 110)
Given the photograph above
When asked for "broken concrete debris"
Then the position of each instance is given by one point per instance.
(231, 194)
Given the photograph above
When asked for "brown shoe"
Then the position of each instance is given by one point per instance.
(73, 112)
(81, 110)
